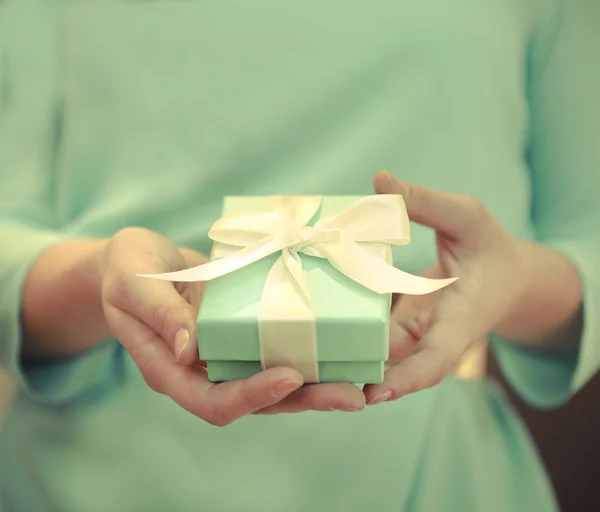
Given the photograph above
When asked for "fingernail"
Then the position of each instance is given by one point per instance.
(285, 387)
(381, 398)
(182, 340)
(347, 409)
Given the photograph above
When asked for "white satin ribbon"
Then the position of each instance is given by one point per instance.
(287, 326)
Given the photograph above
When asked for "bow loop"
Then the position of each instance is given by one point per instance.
(373, 219)
(300, 209)
(244, 230)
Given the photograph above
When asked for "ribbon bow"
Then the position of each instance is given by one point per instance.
(372, 219)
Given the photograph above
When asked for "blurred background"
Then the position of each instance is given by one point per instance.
(6, 392)
(567, 438)
(568, 441)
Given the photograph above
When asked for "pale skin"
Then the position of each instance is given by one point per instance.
(503, 287)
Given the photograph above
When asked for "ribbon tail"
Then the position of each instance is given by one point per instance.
(375, 274)
(225, 265)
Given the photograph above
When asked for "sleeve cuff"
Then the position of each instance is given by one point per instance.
(547, 378)
(52, 382)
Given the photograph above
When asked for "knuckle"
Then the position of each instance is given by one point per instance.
(193, 257)
(406, 388)
(434, 380)
(315, 403)
(161, 316)
(218, 418)
(469, 202)
(130, 232)
(116, 287)
(474, 207)
(154, 383)
(423, 200)
(406, 192)
(401, 385)
(251, 401)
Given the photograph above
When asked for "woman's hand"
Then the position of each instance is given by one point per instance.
(155, 321)
(498, 275)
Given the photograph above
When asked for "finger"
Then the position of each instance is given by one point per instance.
(189, 387)
(193, 291)
(158, 304)
(228, 401)
(404, 338)
(451, 215)
(448, 337)
(320, 397)
(410, 317)
(346, 397)
(424, 369)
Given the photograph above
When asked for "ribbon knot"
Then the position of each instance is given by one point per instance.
(306, 235)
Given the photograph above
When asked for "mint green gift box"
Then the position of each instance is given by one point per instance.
(352, 321)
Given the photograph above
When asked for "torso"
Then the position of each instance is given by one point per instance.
(168, 106)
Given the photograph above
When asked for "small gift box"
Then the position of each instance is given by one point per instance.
(303, 282)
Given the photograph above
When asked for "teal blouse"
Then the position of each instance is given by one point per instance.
(117, 113)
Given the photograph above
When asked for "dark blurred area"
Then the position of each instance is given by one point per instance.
(568, 440)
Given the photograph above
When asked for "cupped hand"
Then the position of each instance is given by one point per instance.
(430, 334)
(155, 321)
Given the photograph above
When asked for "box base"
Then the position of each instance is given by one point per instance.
(355, 373)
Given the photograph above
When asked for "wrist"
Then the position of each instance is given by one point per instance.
(61, 303)
(546, 310)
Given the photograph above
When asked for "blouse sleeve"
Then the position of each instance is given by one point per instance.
(564, 158)
(29, 107)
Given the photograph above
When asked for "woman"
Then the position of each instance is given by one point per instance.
(121, 114)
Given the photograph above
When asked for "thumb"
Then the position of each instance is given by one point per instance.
(451, 215)
(163, 309)
(159, 305)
